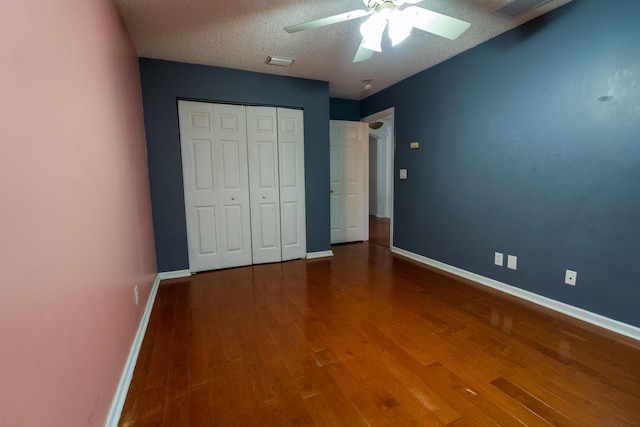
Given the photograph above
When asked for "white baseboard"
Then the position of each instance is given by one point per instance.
(569, 310)
(178, 274)
(320, 254)
(127, 374)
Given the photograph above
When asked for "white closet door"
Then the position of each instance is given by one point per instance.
(292, 192)
(200, 184)
(264, 183)
(214, 164)
(243, 172)
(348, 181)
(231, 139)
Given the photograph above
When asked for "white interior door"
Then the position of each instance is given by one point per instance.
(349, 178)
(292, 192)
(214, 164)
(262, 134)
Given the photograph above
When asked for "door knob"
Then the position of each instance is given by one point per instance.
(233, 198)
(264, 197)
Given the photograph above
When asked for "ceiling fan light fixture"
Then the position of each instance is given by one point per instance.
(400, 26)
(372, 30)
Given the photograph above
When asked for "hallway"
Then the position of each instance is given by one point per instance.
(379, 230)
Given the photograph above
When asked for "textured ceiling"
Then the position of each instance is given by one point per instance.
(241, 34)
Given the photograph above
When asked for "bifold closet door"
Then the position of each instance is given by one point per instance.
(213, 140)
(292, 192)
(276, 177)
(264, 184)
(243, 170)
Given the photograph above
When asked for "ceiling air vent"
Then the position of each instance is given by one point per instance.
(515, 8)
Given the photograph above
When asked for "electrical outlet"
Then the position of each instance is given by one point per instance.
(512, 262)
(570, 277)
(499, 259)
(135, 290)
(403, 174)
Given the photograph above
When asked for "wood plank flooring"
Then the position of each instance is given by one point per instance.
(379, 230)
(366, 338)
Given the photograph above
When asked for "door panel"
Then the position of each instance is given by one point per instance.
(201, 198)
(207, 229)
(203, 160)
(234, 235)
(269, 219)
(231, 140)
(292, 191)
(263, 174)
(290, 229)
(349, 203)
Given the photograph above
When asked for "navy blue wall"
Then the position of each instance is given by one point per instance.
(163, 82)
(344, 109)
(530, 145)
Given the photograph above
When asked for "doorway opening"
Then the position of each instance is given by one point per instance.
(381, 152)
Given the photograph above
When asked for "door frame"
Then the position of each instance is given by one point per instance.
(388, 114)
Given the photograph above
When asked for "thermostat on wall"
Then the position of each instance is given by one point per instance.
(415, 145)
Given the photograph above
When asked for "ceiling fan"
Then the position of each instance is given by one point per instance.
(400, 21)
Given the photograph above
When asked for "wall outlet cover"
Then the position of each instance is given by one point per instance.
(570, 277)
(499, 259)
(403, 174)
(512, 262)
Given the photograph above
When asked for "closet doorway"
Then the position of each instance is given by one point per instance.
(243, 174)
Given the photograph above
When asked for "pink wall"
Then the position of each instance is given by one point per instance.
(75, 212)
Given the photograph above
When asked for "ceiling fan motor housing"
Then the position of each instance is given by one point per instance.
(380, 5)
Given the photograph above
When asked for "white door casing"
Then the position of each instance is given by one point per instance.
(349, 181)
(214, 162)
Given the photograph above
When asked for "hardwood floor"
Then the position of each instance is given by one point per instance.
(379, 230)
(368, 338)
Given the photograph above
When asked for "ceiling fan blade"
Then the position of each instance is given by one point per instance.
(354, 14)
(437, 23)
(362, 54)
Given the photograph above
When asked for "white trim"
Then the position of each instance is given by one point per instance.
(178, 274)
(125, 380)
(569, 310)
(319, 254)
(365, 160)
